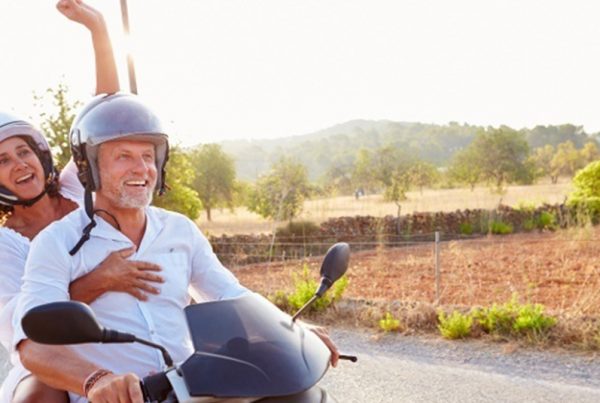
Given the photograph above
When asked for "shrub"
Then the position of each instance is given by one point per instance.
(455, 326)
(585, 199)
(338, 289)
(585, 211)
(532, 322)
(500, 228)
(280, 299)
(466, 228)
(389, 323)
(304, 289)
(529, 224)
(546, 220)
(497, 319)
(515, 319)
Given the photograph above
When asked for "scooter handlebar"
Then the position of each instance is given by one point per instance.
(156, 387)
(352, 358)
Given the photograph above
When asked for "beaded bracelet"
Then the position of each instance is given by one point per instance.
(93, 378)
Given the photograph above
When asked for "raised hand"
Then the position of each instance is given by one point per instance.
(78, 11)
(107, 78)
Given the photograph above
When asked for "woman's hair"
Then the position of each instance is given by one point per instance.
(52, 188)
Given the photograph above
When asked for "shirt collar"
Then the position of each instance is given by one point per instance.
(153, 228)
(106, 231)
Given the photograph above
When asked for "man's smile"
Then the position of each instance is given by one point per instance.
(136, 183)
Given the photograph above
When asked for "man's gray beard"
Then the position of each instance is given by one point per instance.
(140, 201)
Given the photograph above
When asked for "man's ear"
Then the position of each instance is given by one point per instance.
(101, 158)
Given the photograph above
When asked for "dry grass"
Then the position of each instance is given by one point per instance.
(241, 221)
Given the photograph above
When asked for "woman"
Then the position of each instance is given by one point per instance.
(32, 196)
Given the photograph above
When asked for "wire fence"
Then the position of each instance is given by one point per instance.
(561, 271)
(247, 250)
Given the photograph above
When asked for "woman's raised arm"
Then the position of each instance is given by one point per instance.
(107, 78)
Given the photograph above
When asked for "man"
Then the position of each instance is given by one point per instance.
(121, 151)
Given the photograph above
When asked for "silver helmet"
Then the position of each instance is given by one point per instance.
(11, 126)
(112, 117)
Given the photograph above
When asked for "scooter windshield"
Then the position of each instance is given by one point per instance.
(247, 347)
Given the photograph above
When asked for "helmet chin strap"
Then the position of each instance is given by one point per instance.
(89, 210)
(30, 202)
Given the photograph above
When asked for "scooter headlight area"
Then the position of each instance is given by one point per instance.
(248, 347)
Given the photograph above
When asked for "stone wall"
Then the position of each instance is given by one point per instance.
(365, 232)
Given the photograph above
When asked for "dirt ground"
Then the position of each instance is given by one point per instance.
(560, 270)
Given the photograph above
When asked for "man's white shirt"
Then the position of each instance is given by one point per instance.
(170, 240)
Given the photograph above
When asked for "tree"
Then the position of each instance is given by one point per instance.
(56, 126)
(502, 156)
(590, 152)
(241, 193)
(363, 175)
(392, 169)
(423, 174)
(214, 177)
(338, 178)
(180, 197)
(566, 160)
(542, 161)
(280, 194)
(465, 169)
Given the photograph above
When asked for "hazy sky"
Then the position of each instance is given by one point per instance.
(223, 69)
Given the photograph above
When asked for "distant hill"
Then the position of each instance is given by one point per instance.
(339, 144)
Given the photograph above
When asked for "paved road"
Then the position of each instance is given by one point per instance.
(397, 368)
(405, 369)
(383, 379)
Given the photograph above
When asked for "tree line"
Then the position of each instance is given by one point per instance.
(204, 178)
(337, 146)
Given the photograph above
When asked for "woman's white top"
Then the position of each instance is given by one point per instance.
(14, 249)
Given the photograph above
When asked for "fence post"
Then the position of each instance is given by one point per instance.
(437, 267)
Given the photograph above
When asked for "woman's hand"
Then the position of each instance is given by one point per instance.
(117, 273)
(130, 276)
(324, 336)
(78, 11)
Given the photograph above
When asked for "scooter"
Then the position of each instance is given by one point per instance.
(246, 349)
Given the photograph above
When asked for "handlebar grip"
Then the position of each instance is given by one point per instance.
(156, 388)
(144, 392)
(352, 358)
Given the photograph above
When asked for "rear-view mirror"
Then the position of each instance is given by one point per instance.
(65, 322)
(334, 266)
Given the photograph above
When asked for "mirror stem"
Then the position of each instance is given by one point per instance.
(165, 353)
(309, 303)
